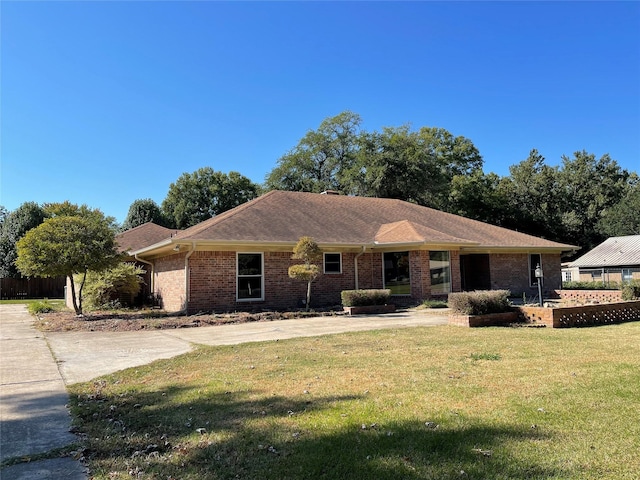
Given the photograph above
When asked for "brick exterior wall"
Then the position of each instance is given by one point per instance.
(510, 271)
(170, 282)
(212, 279)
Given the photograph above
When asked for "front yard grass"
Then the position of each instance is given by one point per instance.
(418, 403)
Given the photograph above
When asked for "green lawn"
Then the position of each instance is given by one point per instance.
(424, 403)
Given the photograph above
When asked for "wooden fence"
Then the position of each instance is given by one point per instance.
(22, 288)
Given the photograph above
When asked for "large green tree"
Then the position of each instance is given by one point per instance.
(588, 187)
(321, 159)
(143, 211)
(624, 217)
(65, 245)
(200, 195)
(16, 223)
(416, 166)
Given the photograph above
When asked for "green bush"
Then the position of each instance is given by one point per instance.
(434, 304)
(590, 286)
(631, 291)
(102, 290)
(480, 302)
(41, 306)
(363, 298)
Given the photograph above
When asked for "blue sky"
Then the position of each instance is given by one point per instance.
(103, 103)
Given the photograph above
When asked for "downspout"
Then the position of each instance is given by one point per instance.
(152, 276)
(187, 290)
(355, 265)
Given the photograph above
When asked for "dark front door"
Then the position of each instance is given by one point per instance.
(475, 273)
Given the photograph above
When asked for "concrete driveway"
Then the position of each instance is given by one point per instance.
(82, 356)
(35, 367)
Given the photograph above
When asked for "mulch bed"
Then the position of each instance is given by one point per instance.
(124, 321)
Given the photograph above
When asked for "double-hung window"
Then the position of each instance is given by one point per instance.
(250, 276)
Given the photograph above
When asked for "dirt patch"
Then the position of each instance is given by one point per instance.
(153, 320)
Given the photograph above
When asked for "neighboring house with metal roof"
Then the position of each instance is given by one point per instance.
(239, 260)
(617, 259)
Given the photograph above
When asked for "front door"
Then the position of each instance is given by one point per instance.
(475, 272)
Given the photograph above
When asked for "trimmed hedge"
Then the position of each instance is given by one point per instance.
(480, 302)
(363, 298)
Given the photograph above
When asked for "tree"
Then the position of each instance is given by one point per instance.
(415, 166)
(481, 197)
(623, 218)
(143, 211)
(16, 223)
(68, 245)
(588, 187)
(309, 252)
(321, 158)
(200, 195)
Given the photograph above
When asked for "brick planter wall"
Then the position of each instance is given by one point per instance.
(489, 320)
(590, 296)
(582, 316)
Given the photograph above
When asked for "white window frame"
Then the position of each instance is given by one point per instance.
(324, 263)
(261, 276)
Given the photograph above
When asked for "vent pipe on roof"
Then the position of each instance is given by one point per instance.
(330, 192)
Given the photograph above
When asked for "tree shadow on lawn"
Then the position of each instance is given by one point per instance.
(250, 435)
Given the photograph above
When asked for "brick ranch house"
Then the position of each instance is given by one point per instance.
(239, 259)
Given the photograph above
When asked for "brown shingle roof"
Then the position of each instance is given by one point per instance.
(142, 236)
(284, 217)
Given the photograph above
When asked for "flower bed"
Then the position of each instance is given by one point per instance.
(370, 309)
(488, 320)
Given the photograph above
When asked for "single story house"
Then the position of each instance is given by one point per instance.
(617, 259)
(239, 259)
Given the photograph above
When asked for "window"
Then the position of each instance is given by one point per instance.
(332, 263)
(627, 275)
(396, 273)
(250, 276)
(440, 267)
(535, 260)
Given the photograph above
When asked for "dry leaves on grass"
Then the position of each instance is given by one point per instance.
(136, 320)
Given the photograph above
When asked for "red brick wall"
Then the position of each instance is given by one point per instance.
(212, 279)
(170, 282)
(510, 271)
(213, 283)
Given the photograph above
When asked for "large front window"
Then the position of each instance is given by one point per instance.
(250, 276)
(440, 268)
(396, 273)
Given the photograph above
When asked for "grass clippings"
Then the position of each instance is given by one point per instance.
(407, 403)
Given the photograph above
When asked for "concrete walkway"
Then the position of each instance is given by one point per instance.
(35, 368)
(33, 415)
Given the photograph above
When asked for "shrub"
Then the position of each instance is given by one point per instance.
(434, 304)
(362, 298)
(41, 306)
(104, 289)
(631, 291)
(480, 302)
(590, 285)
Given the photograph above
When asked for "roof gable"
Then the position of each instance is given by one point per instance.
(142, 236)
(284, 217)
